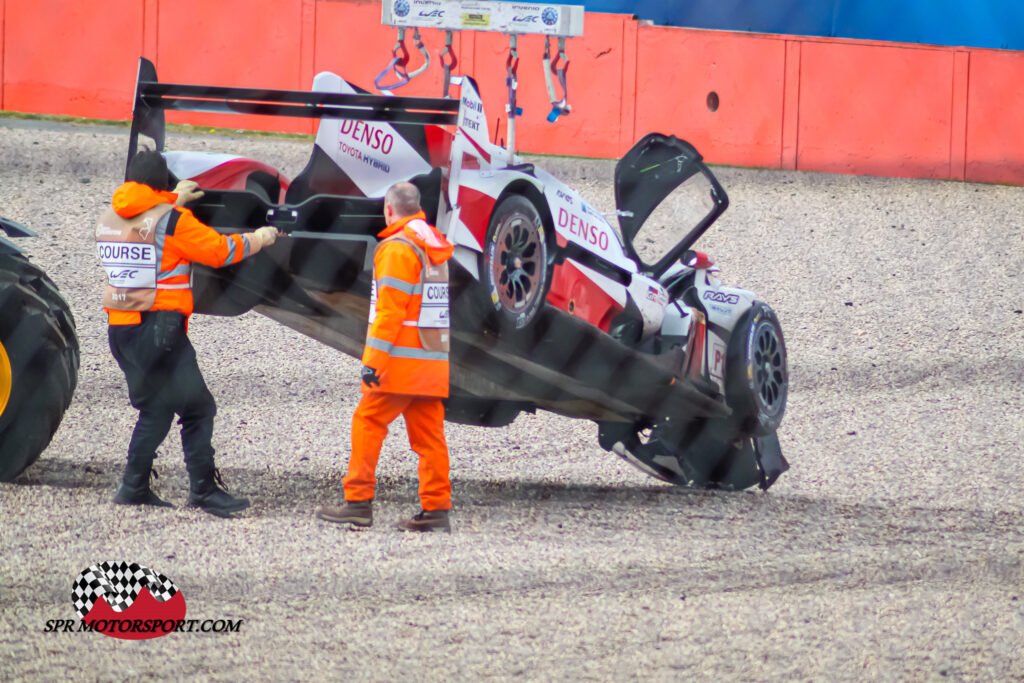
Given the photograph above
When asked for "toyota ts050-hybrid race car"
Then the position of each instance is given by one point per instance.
(553, 306)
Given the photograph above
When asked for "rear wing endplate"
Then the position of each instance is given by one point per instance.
(152, 98)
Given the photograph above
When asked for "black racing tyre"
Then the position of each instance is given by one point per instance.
(756, 374)
(39, 357)
(515, 275)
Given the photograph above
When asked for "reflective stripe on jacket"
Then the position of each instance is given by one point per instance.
(179, 240)
(393, 343)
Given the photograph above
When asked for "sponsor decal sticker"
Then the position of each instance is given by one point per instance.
(717, 360)
(472, 112)
(721, 297)
(102, 230)
(374, 137)
(401, 8)
(588, 232)
(549, 16)
(476, 19)
(363, 136)
(430, 12)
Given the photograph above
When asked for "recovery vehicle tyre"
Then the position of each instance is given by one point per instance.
(39, 357)
(756, 374)
(514, 270)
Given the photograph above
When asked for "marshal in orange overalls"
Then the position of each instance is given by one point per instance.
(413, 378)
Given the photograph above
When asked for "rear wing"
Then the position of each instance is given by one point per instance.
(152, 98)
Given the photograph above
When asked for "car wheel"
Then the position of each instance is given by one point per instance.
(514, 268)
(757, 378)
(39, 358)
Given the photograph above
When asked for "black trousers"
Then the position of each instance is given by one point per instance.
(163, 376)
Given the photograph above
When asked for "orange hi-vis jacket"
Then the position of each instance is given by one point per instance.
(179, 240)
(393, 342)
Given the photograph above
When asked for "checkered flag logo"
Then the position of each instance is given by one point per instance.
(119, 583)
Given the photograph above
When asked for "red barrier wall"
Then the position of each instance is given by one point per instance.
(234, 44)
(782, 101)
(995, 134)
(71, 58)
(894, 122)
(677, 73)
(2, 12)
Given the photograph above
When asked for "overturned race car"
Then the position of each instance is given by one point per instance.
(553, 307)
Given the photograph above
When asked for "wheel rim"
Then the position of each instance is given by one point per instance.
(517, 269)
(6, 378)
(769, 369)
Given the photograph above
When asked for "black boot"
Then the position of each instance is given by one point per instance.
(134, 488)
(206, 491)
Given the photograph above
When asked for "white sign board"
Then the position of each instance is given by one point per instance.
(485, 15)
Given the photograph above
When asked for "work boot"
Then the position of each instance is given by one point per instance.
(134, 488)
(206, 492)
(427, 520)
(354, 512)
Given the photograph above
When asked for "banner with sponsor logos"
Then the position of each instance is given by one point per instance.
(483, 15)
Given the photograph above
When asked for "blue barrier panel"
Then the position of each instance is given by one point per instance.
(974, 23)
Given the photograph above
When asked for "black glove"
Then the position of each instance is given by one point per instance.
(370, 377)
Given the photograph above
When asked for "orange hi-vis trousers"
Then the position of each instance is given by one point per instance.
(424, 419)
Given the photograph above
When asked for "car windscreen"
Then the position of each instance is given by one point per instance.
(677, 214)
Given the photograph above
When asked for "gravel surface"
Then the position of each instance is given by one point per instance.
(891, 550)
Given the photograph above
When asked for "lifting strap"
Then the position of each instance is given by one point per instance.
(447, 65)
(512, 66)
(399, 60)
(423, 51)
(559, 66)
(512, 109)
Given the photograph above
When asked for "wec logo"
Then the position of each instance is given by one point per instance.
(722, 297)
(126, 274)
(433, 14)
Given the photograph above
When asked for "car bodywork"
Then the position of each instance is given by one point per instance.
(553, 306)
